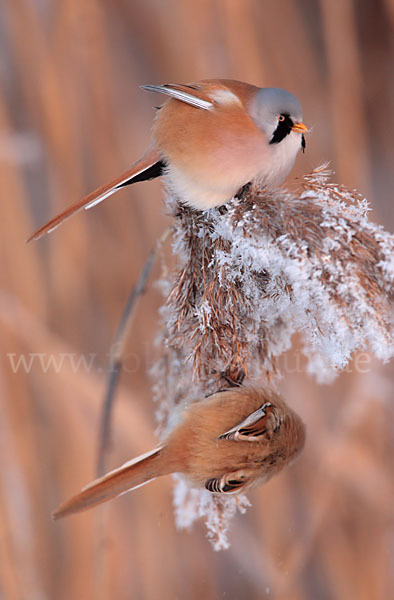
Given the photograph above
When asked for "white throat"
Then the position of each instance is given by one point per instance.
(283, 156)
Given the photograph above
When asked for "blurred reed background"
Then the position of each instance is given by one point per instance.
(71, 117)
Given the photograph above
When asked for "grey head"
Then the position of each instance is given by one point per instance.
(276, 112)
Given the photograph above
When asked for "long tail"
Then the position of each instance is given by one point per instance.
(147, 167)
(129, 476)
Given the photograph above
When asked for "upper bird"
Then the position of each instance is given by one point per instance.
(209, 139)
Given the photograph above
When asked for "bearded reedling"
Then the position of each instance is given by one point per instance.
(209, 140)
(228, 442)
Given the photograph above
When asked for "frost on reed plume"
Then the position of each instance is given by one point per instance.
(250, 275)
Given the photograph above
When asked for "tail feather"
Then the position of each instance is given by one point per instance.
(149, 166)
(129, 476)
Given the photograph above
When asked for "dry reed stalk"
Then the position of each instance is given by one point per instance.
(345, 90)
(117, 351)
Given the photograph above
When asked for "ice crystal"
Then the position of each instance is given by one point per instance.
(191, 504)
(253, 273)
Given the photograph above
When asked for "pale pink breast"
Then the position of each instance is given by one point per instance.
(222, 148)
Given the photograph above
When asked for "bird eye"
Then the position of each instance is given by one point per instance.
(281, 118)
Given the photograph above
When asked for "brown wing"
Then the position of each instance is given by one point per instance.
(149, 166)
(191, 94)
(253, 427)
(228, 483)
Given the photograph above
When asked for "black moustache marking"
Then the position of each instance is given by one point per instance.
(303, 142)
(283, 129)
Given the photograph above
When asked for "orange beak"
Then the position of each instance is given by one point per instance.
(300, 127)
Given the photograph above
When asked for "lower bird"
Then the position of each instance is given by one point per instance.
(225, 443)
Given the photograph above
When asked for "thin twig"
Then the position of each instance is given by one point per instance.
(117, 349)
